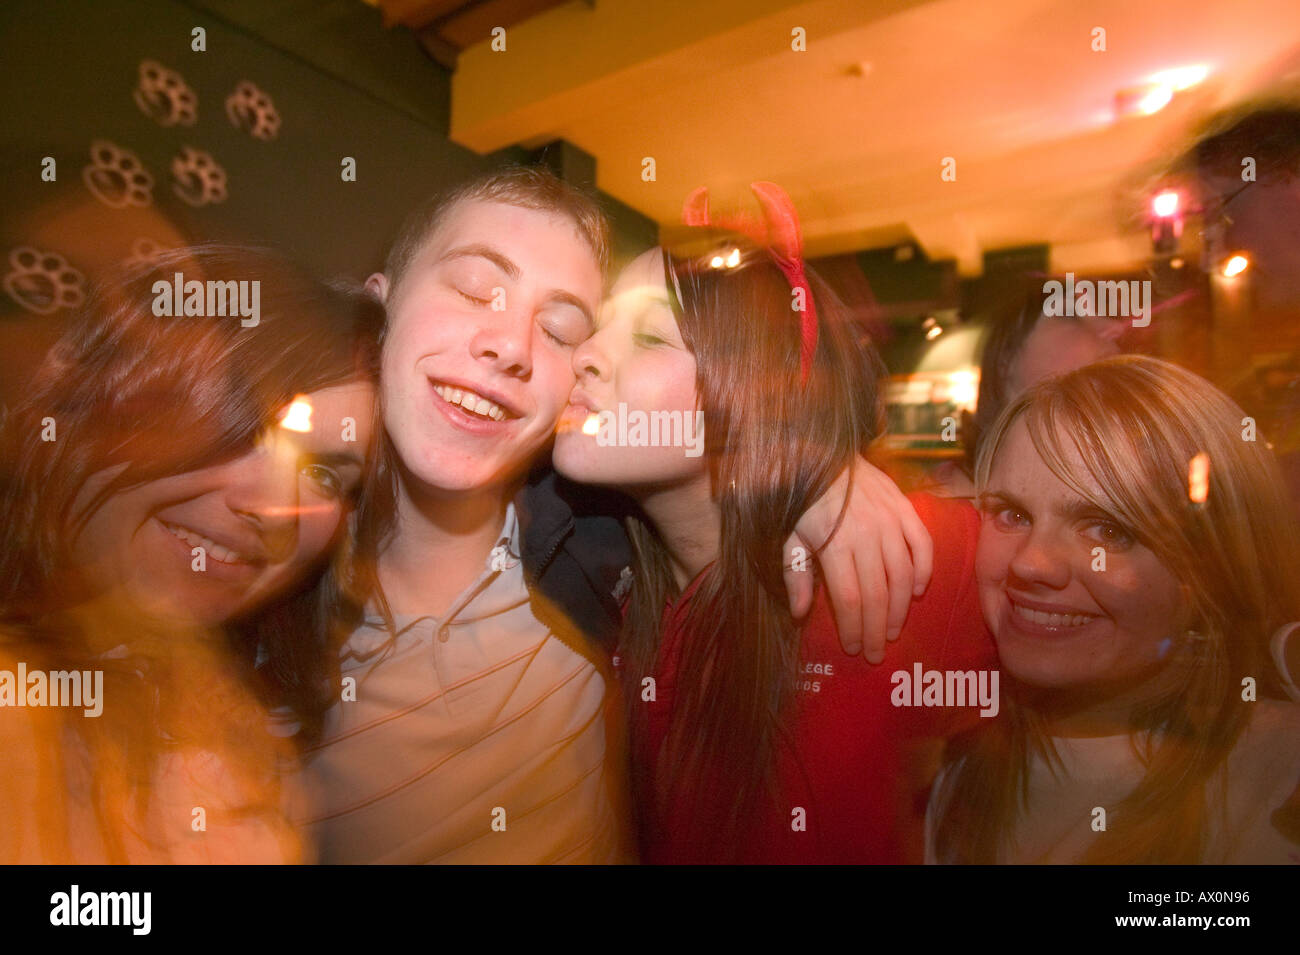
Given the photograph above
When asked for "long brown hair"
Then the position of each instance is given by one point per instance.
(1136, 423)
(146, 397)
(158, 396)
(773, 448)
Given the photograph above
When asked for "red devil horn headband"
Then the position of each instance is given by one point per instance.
(779, 232)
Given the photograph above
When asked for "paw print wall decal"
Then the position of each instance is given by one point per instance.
(116, 177)
(43, 282)
(199, 179)
(164, 96)
(144, 254)
(251, 110)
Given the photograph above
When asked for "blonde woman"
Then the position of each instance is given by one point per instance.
(1142, 718)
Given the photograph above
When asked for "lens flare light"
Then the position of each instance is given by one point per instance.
(1165, 204)
(1235, 265)
(297, 416)
(1198, 479)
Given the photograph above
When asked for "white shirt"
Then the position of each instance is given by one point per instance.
(479, 737)
(1259, 775)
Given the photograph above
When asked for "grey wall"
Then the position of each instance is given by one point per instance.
(341, 84)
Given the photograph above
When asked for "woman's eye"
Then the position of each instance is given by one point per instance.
(327, 479)
(1109, 534)
(644, 338)
(1009, 517)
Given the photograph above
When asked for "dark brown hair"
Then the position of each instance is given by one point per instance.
(773, 448)
(161, 395)
(1010, 326)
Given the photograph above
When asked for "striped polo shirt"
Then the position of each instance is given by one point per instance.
(477, 737)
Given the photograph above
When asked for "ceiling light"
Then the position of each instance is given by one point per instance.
(1165, 204)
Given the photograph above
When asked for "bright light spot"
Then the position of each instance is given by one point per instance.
(934, 333)
(297, 417)
(1198, 478)
(1165, 204)
(717, 261)
(733, 259)
(591, 425)
(1176, 263)
(1181, 78)
(1156, 98)
(963, 388)
(292, 510)
(1235, 266)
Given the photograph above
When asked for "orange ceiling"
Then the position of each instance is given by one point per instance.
(856, 127)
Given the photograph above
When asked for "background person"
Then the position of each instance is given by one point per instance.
(1023, 347)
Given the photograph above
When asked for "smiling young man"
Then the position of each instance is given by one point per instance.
(472, 723)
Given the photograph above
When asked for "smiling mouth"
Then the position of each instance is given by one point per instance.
(1056, 620)
(472, 402)
(218, 552)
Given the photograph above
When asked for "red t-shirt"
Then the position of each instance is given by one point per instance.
(845, 790)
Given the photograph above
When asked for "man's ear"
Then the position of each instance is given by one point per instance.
(377, 285)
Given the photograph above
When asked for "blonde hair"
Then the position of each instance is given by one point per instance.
(1136, 423)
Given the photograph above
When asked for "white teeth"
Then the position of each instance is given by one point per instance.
(214, 550)
(1052, 619)
(470, 402)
